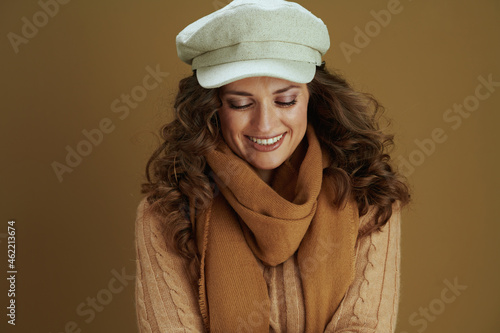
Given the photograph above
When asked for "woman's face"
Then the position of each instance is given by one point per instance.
(264, 119)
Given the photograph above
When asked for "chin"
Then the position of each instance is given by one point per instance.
(268, 165)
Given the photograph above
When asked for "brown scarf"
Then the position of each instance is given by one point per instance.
(253, 221)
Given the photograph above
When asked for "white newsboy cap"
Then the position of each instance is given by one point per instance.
(250, 38)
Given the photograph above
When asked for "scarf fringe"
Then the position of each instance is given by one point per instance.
(201, 281)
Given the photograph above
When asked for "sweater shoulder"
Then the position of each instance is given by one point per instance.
(165, 298)
(367, 220)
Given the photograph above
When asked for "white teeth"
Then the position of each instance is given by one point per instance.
(266, 142)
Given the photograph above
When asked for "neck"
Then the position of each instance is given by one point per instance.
(265, 175)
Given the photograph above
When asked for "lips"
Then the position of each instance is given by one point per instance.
(266, 144)
(267, 141)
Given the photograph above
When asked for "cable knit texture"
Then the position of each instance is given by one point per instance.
(166, 302)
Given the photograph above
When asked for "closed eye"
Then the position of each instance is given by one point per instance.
(287, 104)
(246, 106)
(239, 107)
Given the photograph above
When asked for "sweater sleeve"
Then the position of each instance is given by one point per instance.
(164, 299)
(371, 303)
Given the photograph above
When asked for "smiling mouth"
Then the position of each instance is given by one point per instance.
(267, 142)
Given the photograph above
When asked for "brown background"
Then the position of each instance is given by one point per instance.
(74, 235)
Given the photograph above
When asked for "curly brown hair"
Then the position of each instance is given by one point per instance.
(346, 123)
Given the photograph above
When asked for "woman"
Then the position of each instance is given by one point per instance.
(271, 204)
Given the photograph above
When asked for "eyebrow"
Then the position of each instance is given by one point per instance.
(244, 93)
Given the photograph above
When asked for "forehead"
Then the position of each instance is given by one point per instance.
(260, 83)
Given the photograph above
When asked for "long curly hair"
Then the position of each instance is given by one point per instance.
(346, 123)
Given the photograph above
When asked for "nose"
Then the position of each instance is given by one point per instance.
(265, 118)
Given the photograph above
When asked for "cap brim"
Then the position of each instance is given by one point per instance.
(220, 75)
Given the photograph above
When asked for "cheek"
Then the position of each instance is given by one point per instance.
(231, 124)
(303, 110)
(298, 119)
(302, 117)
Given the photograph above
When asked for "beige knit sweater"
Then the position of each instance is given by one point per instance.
(165, 301)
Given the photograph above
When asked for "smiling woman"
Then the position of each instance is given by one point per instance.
(263, 120)
(271, 205)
